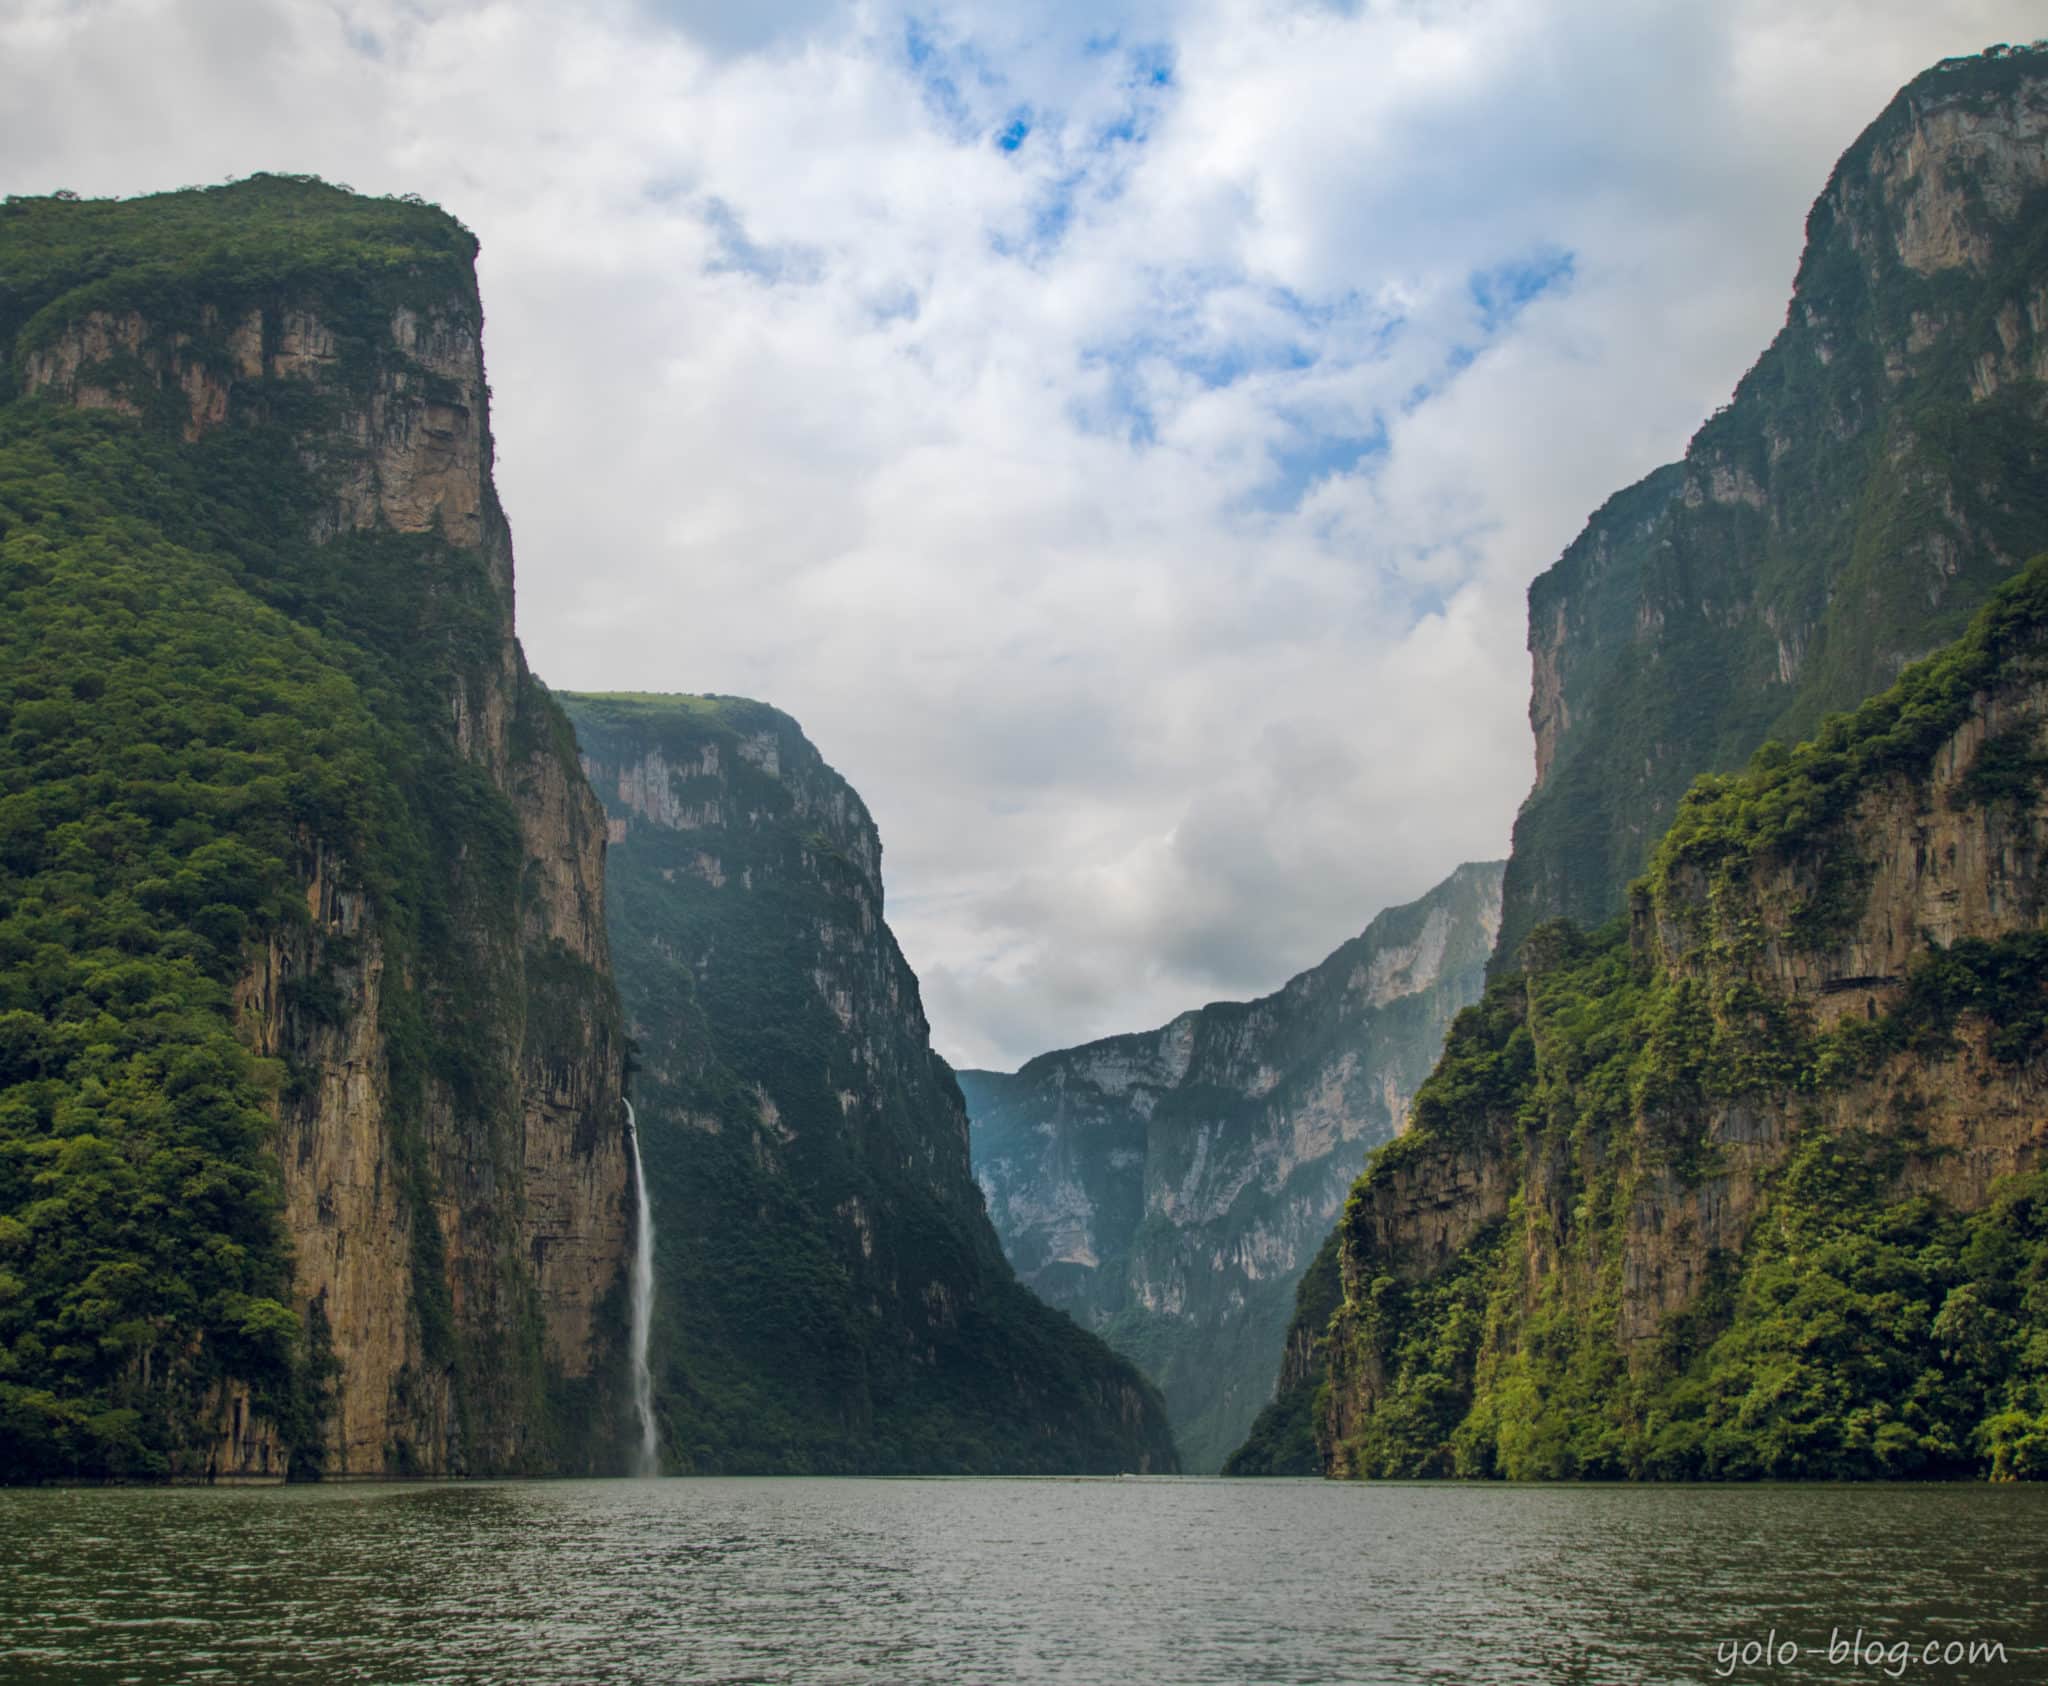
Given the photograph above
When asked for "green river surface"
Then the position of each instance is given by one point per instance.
(1150, 1581)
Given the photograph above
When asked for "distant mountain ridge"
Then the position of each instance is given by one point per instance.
(1169, 1188)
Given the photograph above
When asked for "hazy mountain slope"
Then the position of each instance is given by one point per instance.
(1170, 1188)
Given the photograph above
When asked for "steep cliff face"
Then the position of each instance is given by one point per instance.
(297, 374)
(1752, 1185)
(1879, 471)
(831, 1295)
(1169, 1189)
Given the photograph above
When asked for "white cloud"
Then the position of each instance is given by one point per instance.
(1137, 512)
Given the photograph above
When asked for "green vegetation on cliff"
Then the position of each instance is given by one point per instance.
(200, 258)
(1870, 1300)
(156, 727)
(831, 1296)
(1878, 473)
(194, 698)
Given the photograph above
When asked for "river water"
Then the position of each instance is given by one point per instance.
(1093, 1582)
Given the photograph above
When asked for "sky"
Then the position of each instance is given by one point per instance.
(1121, 434)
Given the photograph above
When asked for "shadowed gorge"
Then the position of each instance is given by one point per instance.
(1700, 1139)
(832, 1298)
(1170, 1188)
(1432, 1089)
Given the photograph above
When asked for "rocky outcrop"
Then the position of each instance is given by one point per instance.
(410, 453)
(450, 1140)
(1816, 1047)
(1169, 1189)
(831, 1294)
(1867, 487)
(1957, 170)
(1932, 865)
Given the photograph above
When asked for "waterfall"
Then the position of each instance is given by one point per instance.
(649, 1460)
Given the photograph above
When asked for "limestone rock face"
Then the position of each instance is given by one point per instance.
(1563, 1268)
(1170, 1189)
(459, 1217)
(412, 450)
(1957, 171)
(1938, 868)
(1870, 483)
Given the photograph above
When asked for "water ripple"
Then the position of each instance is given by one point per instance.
(1289, 1583)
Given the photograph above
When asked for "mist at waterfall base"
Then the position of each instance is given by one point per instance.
(648, 1460)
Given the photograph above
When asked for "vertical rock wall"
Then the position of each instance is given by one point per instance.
(1875, 477)
(451, 1147)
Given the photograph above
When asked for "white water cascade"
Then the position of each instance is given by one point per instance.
(642, 1285)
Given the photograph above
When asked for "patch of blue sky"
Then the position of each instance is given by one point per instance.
(1147, 85)
(1456, 359)
(1423, 601)
(1178, 342)
(1131, 126)
(1228, 364)
(1054, 213)
(1310, 458)
(935, 68)
(1078, 162)
(1151, 65)
(1501, 293)
(1121, 410)
(1364, 327)
(956, 79)
(737, 252)
(894, 304)
(1211, 365)
(1100, 179)
(1051, 213)
(1293, 339)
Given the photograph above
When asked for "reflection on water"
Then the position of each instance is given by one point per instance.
(972, 1581)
